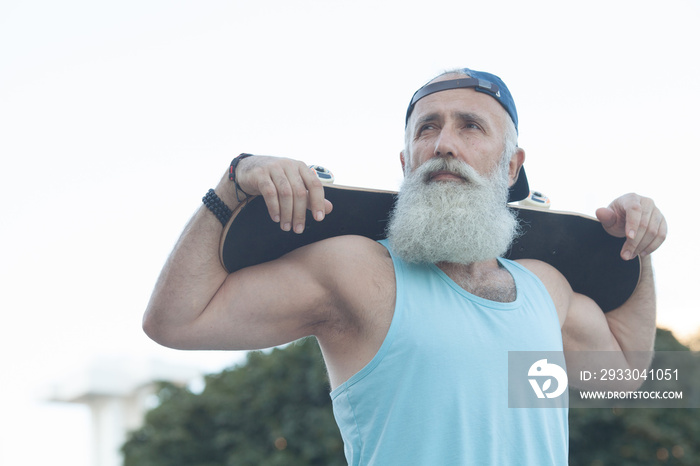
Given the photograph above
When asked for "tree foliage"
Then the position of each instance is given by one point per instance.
(640, 436)
(275, 410)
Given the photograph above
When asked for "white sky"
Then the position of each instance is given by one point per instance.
(116, 117)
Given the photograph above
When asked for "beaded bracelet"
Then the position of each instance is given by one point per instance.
(232, 175)
(217, 206)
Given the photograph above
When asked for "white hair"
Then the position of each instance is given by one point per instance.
(458, 222)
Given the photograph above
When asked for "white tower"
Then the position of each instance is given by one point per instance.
(118, 392)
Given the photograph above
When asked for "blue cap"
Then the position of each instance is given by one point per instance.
(480, 81)
(492, 85)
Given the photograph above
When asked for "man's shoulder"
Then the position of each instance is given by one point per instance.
(545, 272)
(343, 254)
(347, 249)
(554, 281)
(351, 265)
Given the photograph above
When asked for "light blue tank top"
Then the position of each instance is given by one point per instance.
(436, 392)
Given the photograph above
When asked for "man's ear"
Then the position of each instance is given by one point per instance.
(516, 162)
(403, 163)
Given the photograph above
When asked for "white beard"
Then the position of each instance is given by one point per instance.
(446, 221)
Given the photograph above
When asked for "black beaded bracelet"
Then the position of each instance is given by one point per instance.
(217, 206)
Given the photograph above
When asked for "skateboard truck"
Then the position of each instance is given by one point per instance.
(536, 199)
(323, 174)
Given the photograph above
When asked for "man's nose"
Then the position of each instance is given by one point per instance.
(446, 144)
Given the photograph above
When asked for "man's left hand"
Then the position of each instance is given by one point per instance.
(639, 220)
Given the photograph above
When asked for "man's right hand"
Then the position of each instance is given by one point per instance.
(288, 186)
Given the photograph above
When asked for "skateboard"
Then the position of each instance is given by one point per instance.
(574, 244)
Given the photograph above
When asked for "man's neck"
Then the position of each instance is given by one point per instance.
(486, 279)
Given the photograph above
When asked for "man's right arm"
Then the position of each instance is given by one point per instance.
(196, 304)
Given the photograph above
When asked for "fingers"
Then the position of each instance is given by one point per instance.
(639, 220)
(317, 203)
(304, 183)
(289, 188)
(635, 222)
(650, 233)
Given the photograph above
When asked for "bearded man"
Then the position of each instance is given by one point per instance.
(415, 330)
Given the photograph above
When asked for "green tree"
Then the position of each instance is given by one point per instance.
(640, 436)
(273, 410)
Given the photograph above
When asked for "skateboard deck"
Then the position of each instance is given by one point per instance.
(574, 244)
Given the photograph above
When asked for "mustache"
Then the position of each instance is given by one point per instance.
(428, 169)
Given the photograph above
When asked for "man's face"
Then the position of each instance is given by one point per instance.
(458, 123)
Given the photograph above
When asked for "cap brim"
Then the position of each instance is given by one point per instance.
(521, 189)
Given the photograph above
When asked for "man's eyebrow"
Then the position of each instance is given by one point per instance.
(476, 118)
(427, 118)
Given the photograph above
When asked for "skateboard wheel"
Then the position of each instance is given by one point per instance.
(536, 199)
(323, 174)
